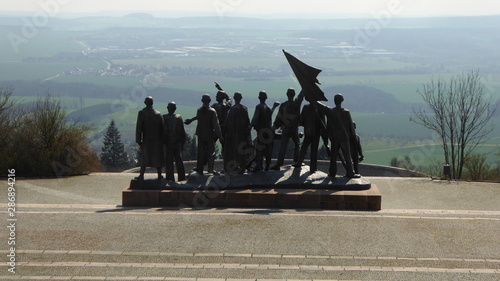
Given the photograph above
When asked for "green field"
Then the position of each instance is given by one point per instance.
(402, 87)
(420, 155)
(116, 81)
(276, 61)
(383, 136)
(403, 90)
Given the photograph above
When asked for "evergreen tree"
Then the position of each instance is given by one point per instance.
(190, 148)
(113, 152)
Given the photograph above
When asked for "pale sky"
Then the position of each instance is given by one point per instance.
(267, 7)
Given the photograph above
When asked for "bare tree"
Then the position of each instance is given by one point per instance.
(459, 112)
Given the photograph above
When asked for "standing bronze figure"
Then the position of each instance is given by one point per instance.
(222, 107)
(174, 143)
(150, 129)
(356, 152)
(341, 132)
(262, 123)
(288, 121)
(207, 130)
(312, 121)
(238, 150)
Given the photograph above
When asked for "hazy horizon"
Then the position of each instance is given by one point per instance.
(190, 14)
(256, 8)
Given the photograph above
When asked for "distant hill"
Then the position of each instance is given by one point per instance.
(88, 90)
(358, 98)
(144, 16)
(92, 113)
(139, 20)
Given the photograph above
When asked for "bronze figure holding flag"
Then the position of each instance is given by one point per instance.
(340, 128)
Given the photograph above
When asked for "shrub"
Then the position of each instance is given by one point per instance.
(402, 162)
(476, 167)
(42, 143)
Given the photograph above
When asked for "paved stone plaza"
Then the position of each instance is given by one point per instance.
(75, 228)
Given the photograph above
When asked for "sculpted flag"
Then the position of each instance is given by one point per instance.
(218, 86)
(307, 76)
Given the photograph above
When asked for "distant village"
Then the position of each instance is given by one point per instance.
(244, 47)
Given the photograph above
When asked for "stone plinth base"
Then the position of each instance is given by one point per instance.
(361, 200)
(286, 178)
(289, 188)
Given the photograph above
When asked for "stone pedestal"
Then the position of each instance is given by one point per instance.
(361, 200)
(288, 188)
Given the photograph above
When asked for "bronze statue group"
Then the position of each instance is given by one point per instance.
(162, 138)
